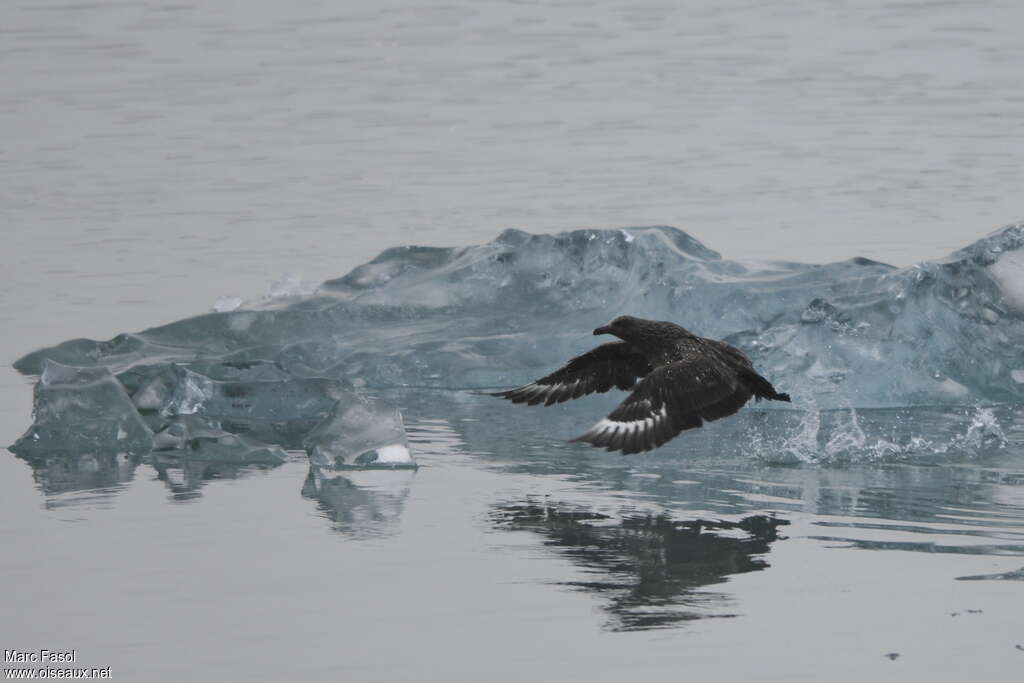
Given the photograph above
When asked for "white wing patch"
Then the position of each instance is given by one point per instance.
(610, 432)
(536, 392)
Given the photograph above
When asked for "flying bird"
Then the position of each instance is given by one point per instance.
(679, 381)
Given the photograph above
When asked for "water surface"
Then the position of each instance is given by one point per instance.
(158, 156)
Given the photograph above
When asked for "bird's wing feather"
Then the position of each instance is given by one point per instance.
(598, 370)
(730, 352)
(677, 396)
(760, 387)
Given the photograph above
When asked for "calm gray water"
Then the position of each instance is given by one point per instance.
(158, 156)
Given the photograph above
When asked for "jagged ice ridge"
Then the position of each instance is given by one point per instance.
(852, 333)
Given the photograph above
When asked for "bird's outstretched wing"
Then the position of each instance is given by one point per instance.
(597, 370)
(678, 396)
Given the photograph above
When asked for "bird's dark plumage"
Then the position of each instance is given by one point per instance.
(684, 380)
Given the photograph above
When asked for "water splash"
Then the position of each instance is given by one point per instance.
(984, 432)
(840, 437)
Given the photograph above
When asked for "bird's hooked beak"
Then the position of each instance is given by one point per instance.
(604, 329)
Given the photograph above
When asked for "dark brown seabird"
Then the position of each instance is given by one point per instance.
(686, 380)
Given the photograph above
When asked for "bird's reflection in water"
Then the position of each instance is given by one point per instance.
(649, 568)
(360, 503)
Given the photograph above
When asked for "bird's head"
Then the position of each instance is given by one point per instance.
(625, 327)
(650, 335)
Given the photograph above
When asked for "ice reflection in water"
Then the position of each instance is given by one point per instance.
(64, 479)
(185, 476)
(622, 521)
(360, 503)
(102, 475)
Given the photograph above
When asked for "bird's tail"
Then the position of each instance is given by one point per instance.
(762, 388)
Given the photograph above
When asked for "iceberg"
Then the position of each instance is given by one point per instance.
(298, 370)
(497, 314)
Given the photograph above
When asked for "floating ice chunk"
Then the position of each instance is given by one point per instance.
(82, 410)
(198, 439)
(364, 432)
(506, 312)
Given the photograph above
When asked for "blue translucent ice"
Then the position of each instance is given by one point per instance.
(82, 410)
(852, 334)
(497, 314)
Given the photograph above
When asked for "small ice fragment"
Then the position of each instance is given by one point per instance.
(1017, 375)
(226, 304)
(363, 432)
(78, 410)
